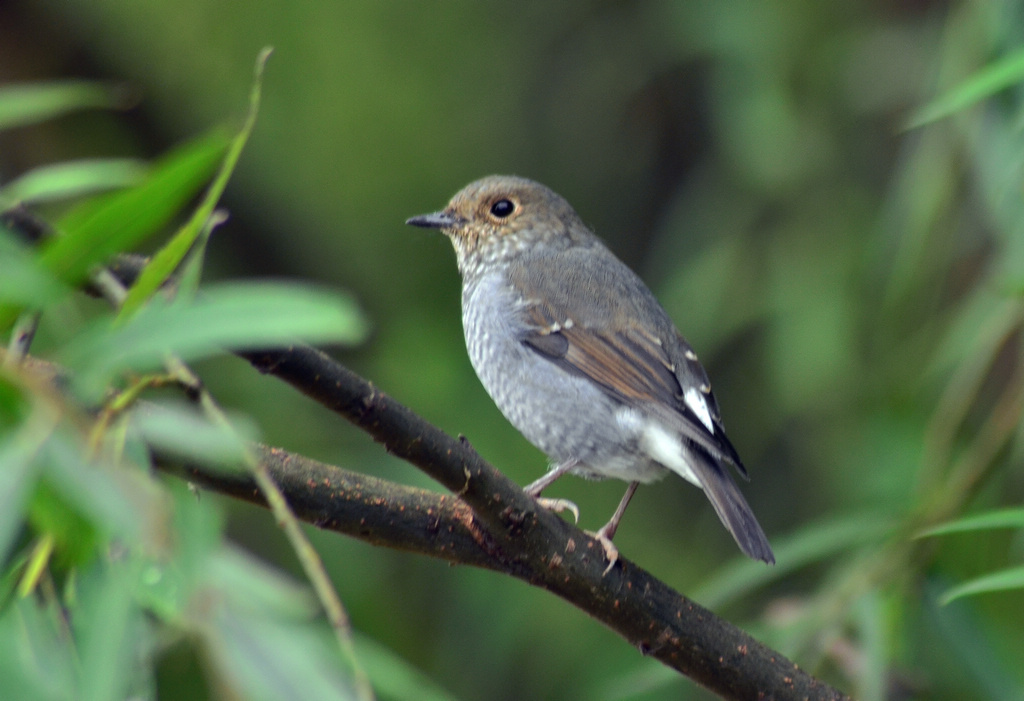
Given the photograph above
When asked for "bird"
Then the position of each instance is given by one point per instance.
(580, 357)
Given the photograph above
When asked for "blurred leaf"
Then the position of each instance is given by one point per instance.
(869, 616)
(13, 404)
(23, 281)
(113, 638)
(1001, 518)
(10, 577)
(27, 104)
(95, 230)
(165, 585)
(814, 542)
(961, 361)
(988, 81)
(73, 179)
(18, 472)
(1003, 580)
(192, 267)
(119, 501)
(256, 588)
(184, 432)
(36, 563)
(970, 641)
(170, 255)
(977, 329)
(258, 628)
(20, 444)
(232, 315)
(75, 537)
(267, 659)
(36, 658)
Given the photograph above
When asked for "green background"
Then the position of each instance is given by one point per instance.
(842, 278)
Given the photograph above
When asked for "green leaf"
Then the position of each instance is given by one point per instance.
(990, 520)
(1003, 580)
(183, 432)
(36, 659)
(113, 640)
(262, 632)
(167, 259)
(253, 588)
(18, 472)
(27, 104)
(11, 578)
(266, 659)
(988, 81)
(966, 633)
(23, 281)
(227, 316)
(165, 584)
(97, 229)
(192, 267)
(75, 536)
(121, 501)
(73, 179)
(20, 444)
(869, 618)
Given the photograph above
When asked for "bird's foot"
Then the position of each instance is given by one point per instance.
(610, 551)
(560, 505)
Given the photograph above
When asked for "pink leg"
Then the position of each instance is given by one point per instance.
(607, 532)
(537, 486)
(557, 505)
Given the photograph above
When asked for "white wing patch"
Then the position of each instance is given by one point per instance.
(695, 400)
(666, 448)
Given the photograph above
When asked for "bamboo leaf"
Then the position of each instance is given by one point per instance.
(35, 102)
(990, 520)
(97, 229)
(170, 256)
(233, 315)
(1003, 580)
(988, 81)
(73, 179)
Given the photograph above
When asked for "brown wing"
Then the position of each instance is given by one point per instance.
(630, 365)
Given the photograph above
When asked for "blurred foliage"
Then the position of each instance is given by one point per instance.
(853, 286)
(106, 564)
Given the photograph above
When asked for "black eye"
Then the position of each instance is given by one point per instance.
(502, 208)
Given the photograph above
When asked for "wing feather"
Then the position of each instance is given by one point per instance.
(630, 365)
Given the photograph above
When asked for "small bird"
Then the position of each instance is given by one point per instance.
(581, 358)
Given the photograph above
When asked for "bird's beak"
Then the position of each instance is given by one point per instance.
(437, 220)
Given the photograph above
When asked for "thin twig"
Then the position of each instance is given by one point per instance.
(312, 565)
(115, 292)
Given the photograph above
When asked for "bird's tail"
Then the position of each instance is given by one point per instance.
(731, 507)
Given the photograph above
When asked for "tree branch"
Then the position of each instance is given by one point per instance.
(532, 544)
(492, 523)
(371, 509)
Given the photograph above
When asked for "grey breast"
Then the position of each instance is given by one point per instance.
(566, 417)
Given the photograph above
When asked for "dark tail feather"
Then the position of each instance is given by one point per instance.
(732, 508)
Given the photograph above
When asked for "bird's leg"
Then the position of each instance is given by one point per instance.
(607, 532)
(537, 486)
(557, 505)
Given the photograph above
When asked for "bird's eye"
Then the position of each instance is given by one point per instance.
(502, 208)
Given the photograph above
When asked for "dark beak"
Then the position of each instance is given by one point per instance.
(437, 220)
